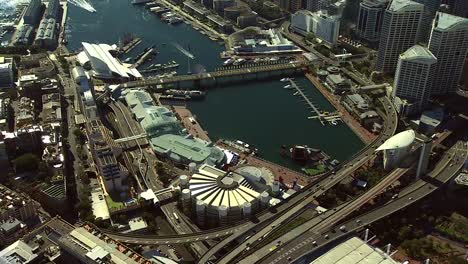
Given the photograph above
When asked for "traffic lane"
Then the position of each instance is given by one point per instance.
(360, 222)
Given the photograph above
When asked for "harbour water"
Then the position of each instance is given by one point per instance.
(261, 113)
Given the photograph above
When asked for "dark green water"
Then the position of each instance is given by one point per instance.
(260, 113)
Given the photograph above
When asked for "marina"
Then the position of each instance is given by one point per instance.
(230, 112)
(320, 115)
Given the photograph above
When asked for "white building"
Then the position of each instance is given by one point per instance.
(99, 57)
(221, 197)
(400, 29)
(449, 43)
(413, 77)
(396, 148)
(301, 22)
(325, 27)
(371, 13)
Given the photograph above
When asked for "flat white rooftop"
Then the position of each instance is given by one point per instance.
(354, 251)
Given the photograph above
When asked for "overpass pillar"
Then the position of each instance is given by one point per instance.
(424, 156)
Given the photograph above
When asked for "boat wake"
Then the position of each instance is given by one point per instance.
(184, 51)
(83, 4)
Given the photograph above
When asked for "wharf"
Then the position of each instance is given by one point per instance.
(195, 23)
(131, 45)
(194, 129)
(144, 57)
(347, 118)
(319, 114)
(62, 34)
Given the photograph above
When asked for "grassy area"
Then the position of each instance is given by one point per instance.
(113, 205)
(456, 226)
(284, 229)
(314, 171)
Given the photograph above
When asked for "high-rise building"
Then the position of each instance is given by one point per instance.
(53, 8)
(399, 32)
(430, 10)
(6, 75)
(459, 8)
(326, 26)
(449, 43)
(33, 11)
(295, 5)
(413, 77)
(371, 13)
(313, 5)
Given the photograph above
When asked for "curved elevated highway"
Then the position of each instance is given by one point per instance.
(322, 235)
(280, 213)
(270, 221)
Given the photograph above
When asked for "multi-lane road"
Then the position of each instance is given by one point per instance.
(325, 233)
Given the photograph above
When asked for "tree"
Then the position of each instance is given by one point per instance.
(26, 163)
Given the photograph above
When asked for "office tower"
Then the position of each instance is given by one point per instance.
(6, 75)
(399, 32)
(295, 5)
(449, 43)
(430, 10)
(371, 13)
(413, 78)
(326, 26)
(33, 11)
(459, 8)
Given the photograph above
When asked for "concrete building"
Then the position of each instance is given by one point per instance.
(325, 27)
(219, 197)
(105, 154)
(301, 22)
(400, 29)
(33, 11)
(16, 205)
(253, 40)
(413, 78)
(371, 13)
(47, 33)
(6, 75)
(53, 9)
(23, 35)
(360, 109)
(430, 121)
(11, 230)
(295, 5)
(247, 19)
(449, 43)
(396, 148)
(315, 5)
(337, 84)
(430, 9)
(19, 252)
(459, 8)
(220, 5)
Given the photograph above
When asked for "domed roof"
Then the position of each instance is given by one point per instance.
(218, 188)
(400, 140)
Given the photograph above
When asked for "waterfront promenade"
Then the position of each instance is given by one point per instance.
(194, 129)
(360, 131)
(192, 19)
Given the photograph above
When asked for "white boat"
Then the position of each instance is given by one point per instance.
(285, 79)
(287, 86)
(239, 61)
(333, 122)
(228, 62)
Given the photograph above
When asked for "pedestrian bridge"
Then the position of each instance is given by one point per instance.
(231, 72)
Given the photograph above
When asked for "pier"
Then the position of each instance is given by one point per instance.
(319, 114)
(131, 45)
(211, 78)
(144, 57)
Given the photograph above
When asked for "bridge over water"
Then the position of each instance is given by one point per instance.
(212, 78)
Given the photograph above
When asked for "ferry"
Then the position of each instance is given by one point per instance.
(285, 79)
(334, 122)
(239, 61)
(228, 62)
(193, 94)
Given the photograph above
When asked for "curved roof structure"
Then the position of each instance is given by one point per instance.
(405, 5)
(447, 22)
(419, 53)
(217, 188)
(400, 140)
(105, 65)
